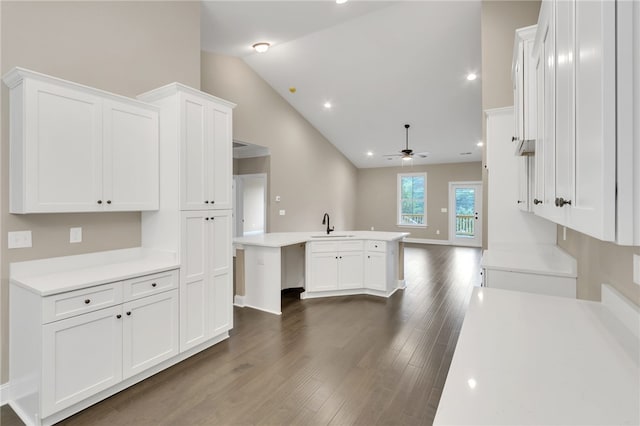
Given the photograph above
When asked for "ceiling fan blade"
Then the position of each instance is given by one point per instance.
(393, 155)
(423, 154)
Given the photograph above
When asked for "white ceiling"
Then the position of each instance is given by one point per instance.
(380, 64)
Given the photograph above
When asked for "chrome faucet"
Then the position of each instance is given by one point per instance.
(325, 221)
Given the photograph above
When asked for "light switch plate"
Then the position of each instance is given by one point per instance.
(277, 198)
(75, 235)
(636, 269)
(19, 239)
(282, 212)
(443, 210)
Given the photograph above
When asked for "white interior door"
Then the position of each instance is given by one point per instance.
(465, 213)
(251, 204)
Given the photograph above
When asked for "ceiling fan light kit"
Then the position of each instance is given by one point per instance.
(407, 154)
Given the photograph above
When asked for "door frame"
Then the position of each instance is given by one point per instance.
(238, 204)
(452, 214)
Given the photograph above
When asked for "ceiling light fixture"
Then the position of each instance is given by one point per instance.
(480, 143)
(261, 47)
(471, 76)
(327, 105)
(369, 154)
(341, 1)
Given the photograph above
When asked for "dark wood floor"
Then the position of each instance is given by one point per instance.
(340, 361)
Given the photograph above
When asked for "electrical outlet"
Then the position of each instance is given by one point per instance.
(373, 229)
(636, 269)
(282, 212)
(75, 235)
(277, 198)
(19, 239)
(438, 232)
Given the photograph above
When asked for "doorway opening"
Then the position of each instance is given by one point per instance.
(465, 213)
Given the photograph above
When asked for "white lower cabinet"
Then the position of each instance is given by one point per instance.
(67, 347)
(351, 267)
(206, 298)
(149, 332)
(82, 355)
(375, 271)
(336, 265)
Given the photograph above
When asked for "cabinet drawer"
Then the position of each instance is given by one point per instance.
(350, 245)
(66, 305)
(135, 288)
(324, 247)
(376, 246)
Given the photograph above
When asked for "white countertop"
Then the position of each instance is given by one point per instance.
(532, 259)
(61, 274)
(532, 359)
(281, 239)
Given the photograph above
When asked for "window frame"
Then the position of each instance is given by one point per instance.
(399, 200)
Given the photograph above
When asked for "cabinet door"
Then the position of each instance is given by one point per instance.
(539, 184)
(220, 157)
(375, 271)
(350, 270)
(131, 146)
(193, 280)
(518, 92)
(324, 272)
(63, 153)
(565, 102)
(220, 284)
(194, 189)
(593, 199)
(523, 183)
(81, 356)
(150, 332)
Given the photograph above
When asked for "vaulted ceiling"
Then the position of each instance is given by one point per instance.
(379, 64)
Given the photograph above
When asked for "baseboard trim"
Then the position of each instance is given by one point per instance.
(427, 241)
(4, 393)
(238, 301)
(263, 310)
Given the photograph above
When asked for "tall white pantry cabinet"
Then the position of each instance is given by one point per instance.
(194, 219)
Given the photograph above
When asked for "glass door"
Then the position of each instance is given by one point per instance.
(465, 213)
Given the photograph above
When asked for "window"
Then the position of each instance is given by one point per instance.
(411, 199)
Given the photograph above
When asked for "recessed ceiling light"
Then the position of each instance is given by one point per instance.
(327, 105)
(261, 47)
(369, 154)
(341, 1)
(480, 143)
(471, 76)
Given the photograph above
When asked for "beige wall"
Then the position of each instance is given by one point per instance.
(600, 262)
(377, 194)
(123, 47)
(309, 174)
(499, 21)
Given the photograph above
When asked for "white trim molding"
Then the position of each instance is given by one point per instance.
(238, 301)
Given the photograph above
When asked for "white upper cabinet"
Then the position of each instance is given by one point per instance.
(575, 65)
(78, 149)
(203, 124)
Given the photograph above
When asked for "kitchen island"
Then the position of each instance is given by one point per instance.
(342, 263)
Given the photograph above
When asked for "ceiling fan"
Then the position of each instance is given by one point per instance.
(406, 153)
